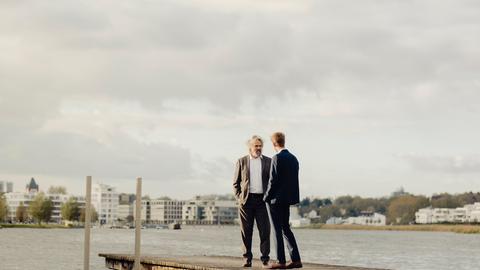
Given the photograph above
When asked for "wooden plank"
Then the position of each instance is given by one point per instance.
(125, 262)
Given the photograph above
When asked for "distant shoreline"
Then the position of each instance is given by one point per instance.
(34, 226)
(466, 229)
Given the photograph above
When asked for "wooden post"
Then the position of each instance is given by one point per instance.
(88, 203)
(138, 223)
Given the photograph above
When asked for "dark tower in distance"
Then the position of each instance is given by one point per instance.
(32, 187)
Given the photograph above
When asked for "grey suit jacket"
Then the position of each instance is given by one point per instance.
(241, 178)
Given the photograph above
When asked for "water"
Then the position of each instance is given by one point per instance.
(63, 249)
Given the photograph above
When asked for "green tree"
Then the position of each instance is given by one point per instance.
(3, 207)
(47, 209)
(328, 212)
(94, 215)
(57, 190)
(21, 214)
(317, 203)
(402, 209)
(327, 201)
(305, 202)
(343, 201)
(41, 208)
(467, 198)
(445, 200)
(70, 210)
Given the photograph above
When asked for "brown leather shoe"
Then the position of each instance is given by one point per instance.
(247, 263)
(275, 266)
(292, 265)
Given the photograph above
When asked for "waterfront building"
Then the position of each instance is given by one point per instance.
(192, 211)
(125, 198)
(144, 211)
(105, 200)
(165, 211)
(125, 211)
(335, 221)
(209, 211)
(295, 219)
(15, 199)
(6, 187)
(473, 212)
(424, 216)
(437, 215)
(469, 213)
(312, 214)
(368, 219)
(458, 215)
(160, 211)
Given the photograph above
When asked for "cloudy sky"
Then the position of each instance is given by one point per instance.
(372, 95)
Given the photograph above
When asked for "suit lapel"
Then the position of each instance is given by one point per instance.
(247, 162)
(265, 170)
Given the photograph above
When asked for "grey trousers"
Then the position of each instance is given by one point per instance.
(255, 210)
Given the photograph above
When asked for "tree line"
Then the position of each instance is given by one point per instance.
(400, 208)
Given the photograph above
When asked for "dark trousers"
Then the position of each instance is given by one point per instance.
(279, 216)
(255, 210)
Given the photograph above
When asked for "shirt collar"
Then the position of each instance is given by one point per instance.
(251, 157)
(281, 150)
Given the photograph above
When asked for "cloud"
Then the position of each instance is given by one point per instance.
(71, 156)
(440, 164)
(153, 86)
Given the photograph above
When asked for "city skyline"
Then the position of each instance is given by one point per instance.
(371, 96)
(400, 190)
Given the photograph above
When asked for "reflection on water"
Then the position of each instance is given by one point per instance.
(58, 249)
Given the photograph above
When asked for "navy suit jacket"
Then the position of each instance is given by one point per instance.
(283, 186)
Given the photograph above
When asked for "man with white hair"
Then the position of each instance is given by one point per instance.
(249, 185)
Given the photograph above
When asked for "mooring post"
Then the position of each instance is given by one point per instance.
(138, 223)
(88, 203)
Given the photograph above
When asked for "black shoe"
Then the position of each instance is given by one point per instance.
(297, 264)
(247, 263)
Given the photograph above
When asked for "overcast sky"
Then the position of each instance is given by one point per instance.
(372, 95)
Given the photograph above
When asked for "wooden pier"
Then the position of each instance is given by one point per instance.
(126, 262)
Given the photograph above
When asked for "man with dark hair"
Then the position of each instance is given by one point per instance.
(249, 184)
(283, 191)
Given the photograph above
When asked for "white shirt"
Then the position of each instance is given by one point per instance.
(256, 175)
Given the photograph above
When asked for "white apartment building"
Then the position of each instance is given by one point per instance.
(192, 211)
(124, 211)
(105, 200)
(296, 220)
(6, 187)
(473, 212)
(466, 214)
(15, 199)
(164, 211)
(144, 211)
(209, 211)
(436, 215)
(335, 221)
(221, 212)
(369, 219)
(424, 216)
